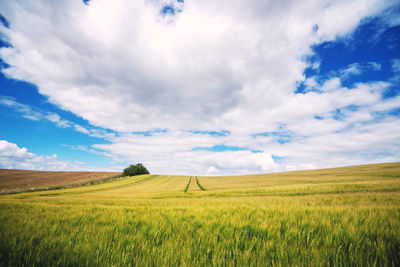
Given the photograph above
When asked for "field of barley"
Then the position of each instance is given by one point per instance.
(346, 216)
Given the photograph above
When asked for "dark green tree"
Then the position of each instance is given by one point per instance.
(135, 169)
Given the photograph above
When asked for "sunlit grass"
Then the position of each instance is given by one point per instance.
(341, 217)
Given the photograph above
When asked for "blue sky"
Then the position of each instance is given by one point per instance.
(199, 88)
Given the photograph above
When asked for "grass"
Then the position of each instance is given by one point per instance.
(336, 217)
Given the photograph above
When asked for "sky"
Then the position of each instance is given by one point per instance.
(199, 87)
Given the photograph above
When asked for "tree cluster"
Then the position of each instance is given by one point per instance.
(135, 169)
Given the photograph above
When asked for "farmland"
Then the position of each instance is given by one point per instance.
(12, 181)
(341, 216)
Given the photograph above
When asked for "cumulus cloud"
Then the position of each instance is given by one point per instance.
(132, 73)
(14, 157)
(134, 66)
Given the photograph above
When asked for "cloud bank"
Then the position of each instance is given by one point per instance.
(14, 157)
(164, 79)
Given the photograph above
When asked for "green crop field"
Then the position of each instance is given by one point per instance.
(333, 217)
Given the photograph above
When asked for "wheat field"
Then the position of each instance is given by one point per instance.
(346, 216)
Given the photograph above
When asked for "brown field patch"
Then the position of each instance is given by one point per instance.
(12, 181)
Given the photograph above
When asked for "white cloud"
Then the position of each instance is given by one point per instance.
(55, 118)
(81, 129)
(137, 72)
(12, 150)
(27, 111)
(353, 69)
(375, 66)
(357, 69)
(37, 114)
(217, 65)
(396, 65)
(14, 157)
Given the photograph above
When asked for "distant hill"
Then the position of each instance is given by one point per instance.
(12, 181)
(347, 216)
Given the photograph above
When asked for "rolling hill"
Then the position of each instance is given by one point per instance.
(12, 181)
(341, 216)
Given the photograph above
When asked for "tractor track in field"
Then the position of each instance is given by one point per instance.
(199, 185)
(197, 182)
(187, 186)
